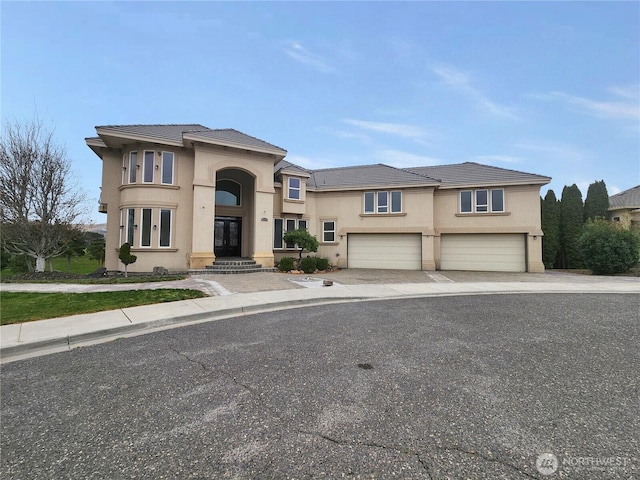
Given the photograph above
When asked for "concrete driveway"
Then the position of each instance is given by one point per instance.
(449, 387)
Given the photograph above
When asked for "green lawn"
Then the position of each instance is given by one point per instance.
(25, 307)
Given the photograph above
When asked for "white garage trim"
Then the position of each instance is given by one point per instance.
(389, 251)
(487, 252)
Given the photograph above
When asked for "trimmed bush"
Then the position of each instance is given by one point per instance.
(322, 263)
(308, 264)
(607, 247)
(285, 264)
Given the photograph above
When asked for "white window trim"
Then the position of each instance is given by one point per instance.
(284, 230)
(391, 201)
(489, 204)
(144, 164)
(325, 230)
(376, 204)
(483, 205)
(290, 188)
(160, 210)
(504, 206)
(132, 226)
(173, 168)
(141, 226)
(133, 167)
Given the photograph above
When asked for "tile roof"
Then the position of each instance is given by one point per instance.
(365, 176)
(175, 133)
(471, 173)
(290, 167)
(628, 199)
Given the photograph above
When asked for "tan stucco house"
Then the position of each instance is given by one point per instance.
(184, 195)
(624, 207)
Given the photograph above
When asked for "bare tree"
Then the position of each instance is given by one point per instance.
(39, 200)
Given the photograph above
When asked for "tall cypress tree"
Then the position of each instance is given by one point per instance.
(596, 203)
(551, 229)
(571, 222)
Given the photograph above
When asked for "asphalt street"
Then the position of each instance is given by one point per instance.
(447, 387)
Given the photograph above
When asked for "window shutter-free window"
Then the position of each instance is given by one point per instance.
(328, 231)
(302, 224)
(497, 200)
(147, 167)
(278, 231)
(465, 201)
(291, 225)
(396, 202)
(165, 228)
(167, 168)
(294, 188)
(369, 202)
(145, 231)
(482, 201)
(131, 216)
(383, 202)
(133, 166)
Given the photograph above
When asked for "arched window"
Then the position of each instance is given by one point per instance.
(228, 193)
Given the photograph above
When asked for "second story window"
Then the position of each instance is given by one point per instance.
(167, 168)
(482, 201)
(294, 189)
(147, 168)
(133, 167)
(378, 202)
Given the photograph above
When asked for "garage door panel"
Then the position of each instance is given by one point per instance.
(483, 252)
(385, 251)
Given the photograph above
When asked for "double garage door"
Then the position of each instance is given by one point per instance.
(483, 252)
(390, 251)
(494, 252)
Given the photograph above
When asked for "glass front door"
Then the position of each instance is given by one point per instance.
(227, 237)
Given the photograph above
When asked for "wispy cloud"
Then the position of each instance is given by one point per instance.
(400, 159)
(311, 163)
(624, 105)
(491, 159)
(461, 82)
(300, 54)
(555, 152)
(399, 129)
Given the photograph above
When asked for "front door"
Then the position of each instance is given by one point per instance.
(226, 237)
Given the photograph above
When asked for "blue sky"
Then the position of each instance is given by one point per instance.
(543, 87)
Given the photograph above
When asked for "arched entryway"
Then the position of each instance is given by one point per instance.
(234, 211)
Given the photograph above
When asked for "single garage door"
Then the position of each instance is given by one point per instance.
(483, 252)
(391, 251)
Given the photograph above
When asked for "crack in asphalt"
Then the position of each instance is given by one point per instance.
(473, 453)
(405, 451)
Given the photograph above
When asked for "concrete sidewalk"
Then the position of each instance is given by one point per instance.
(59, 334)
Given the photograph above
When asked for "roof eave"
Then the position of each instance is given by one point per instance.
(381, 186)
(452, 186)
(96, 144)
(108, 132)
(294, 173)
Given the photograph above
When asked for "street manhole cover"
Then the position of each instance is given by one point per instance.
(365, 366)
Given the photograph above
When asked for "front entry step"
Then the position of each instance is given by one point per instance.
(234, 265)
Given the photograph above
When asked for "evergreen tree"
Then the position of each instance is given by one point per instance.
(596, 203)
(551, 229)
(571, 214)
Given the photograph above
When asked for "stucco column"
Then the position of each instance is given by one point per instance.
(534, 253)
(428, 252)
(203, 223)
(262, 250)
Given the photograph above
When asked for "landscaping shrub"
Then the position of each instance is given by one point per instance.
(308, 264)
(285, 264)
(322, 263)
(608, 247)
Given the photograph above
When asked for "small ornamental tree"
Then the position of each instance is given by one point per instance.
(125, 257)
(96, 251)
(607, 247)
(302, 239)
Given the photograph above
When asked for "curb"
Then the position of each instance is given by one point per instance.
(69, 342)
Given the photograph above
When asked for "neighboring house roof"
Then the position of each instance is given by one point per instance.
(472, 174)
(628, 199)
(363, 176)
(176, 134)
